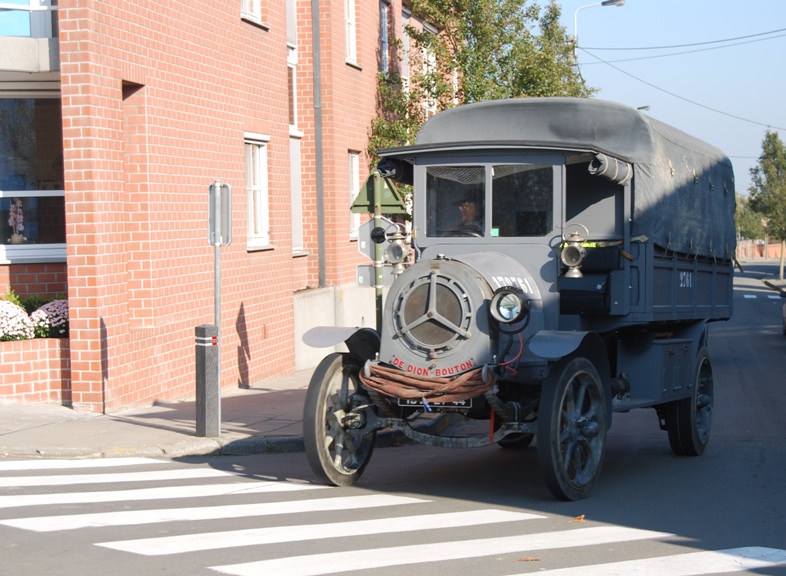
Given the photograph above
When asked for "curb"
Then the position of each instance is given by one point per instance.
(228, 446)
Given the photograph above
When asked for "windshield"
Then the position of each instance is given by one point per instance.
(493, 200)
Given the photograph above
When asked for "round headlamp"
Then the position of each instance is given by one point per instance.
(509, 305)
(396, 253)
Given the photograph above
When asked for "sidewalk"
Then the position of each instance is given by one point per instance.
(253, 421)
(258, 420)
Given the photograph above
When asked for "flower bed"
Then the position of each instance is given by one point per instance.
(35, 353)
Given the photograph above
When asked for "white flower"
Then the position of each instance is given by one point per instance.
(15, 324)
(51, 319)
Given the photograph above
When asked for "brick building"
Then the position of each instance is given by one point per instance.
(115, 117)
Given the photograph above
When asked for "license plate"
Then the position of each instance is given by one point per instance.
(433, 404)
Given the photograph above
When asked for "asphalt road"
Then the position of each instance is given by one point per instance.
(471, 512)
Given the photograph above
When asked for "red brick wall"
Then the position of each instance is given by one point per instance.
(35, 371)
(48, 280)
(156, 97)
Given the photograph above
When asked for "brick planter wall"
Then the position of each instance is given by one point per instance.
(35, 371)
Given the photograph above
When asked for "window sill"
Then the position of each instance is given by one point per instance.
(354, 65)
(255, 22)
(32, 254)
(259, 247)
(300, 253)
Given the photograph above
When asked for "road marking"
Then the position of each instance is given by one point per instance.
(135, 517)
(279, 534)
(81, 479)
(749, 296)
(343, 562)
(693, 564)
(75, 464)
(163, 493)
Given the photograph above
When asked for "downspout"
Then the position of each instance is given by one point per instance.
(318, 142)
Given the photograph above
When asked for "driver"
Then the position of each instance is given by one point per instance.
(471, 208)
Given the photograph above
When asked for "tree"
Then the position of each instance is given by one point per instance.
(749, 223)
(484, 50)
(768, 189)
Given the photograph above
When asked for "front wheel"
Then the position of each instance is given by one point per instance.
(338, 446)
(689, 420)
(572, 428)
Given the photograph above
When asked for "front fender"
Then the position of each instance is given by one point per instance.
(363, 343)
(555, 344)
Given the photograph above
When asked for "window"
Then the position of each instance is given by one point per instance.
(291, 23)
(351, 32)
(354, 187)
(33, 19)
(429, 70)
(297, 197)
(384, 36)
(32, 207)
(405, 48)
(292, 96)
(251, 10)
(257, 192)
(521, 200)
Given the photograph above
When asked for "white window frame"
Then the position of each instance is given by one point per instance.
(295, 183)
(292, 65)
(255, 151)
(32, 253)
(353, 177)
(350, 32)
(251, 10)
(384, 36)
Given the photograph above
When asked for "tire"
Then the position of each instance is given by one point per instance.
(572, 428)
(337, 453)
(689, 420)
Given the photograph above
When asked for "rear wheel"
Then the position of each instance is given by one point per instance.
(689, 420)
(572, 428)
(338, 445)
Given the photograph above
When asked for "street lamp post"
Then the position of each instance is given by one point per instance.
(580, 8)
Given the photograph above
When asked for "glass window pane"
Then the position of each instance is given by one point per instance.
(455, 200)
(31, 144)
(32, 220)
(522, 197)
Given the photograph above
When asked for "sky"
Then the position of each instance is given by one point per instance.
(727, 88)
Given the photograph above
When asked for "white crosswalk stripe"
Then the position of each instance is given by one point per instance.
(407, 520)
(692, 564)
(136, 517)
(321, 564)
(12, 465)
(278, 534)
(163, 493)
(82, 479)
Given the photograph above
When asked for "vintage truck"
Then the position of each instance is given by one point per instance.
(601, 247)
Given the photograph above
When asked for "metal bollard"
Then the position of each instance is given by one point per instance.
(208, 390)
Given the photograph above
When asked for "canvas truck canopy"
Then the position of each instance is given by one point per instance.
(682, 188)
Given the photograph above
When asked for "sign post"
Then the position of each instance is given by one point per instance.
(219, 233)
(378, 196)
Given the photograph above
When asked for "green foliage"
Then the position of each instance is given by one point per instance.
(749, 223)
(485, 50)
(768, 188)
(33, 317)
(12, 297)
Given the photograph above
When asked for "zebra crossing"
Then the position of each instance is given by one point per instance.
(57, 497)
